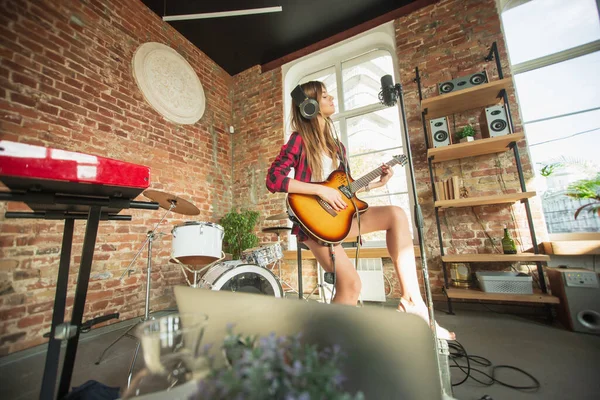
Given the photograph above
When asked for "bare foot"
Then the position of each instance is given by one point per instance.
(421, 310)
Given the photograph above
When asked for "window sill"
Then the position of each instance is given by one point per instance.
(573, 244)
(365, 252)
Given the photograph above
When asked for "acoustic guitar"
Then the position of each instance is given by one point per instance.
(319, 220)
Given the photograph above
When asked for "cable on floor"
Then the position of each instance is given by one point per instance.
(457, 351)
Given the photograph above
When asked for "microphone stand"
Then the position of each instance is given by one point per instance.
(441, 346)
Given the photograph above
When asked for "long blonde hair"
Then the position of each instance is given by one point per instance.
(316, 141)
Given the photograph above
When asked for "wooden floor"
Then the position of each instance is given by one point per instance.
(565, 363)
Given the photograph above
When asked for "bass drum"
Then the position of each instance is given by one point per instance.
(236, 276)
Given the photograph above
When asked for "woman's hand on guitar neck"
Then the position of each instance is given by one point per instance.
(386, 175)
(331, 196)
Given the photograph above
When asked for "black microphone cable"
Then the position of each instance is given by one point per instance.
(457, 352)
(345, 162)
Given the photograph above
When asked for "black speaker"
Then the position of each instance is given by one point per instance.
(309, 108)
(463, 82)
(496, 122)
(579, 294)
(440, 134)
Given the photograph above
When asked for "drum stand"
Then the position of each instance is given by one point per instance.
(128, 271)
(322, 286)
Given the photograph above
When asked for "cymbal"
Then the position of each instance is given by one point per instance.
(277, 217)
(165, 200)
(276, 229)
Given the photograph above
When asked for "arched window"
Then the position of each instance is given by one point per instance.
(371, 132)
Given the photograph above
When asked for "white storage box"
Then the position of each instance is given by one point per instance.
(505, 282)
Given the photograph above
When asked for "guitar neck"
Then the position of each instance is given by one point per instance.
(364, 180)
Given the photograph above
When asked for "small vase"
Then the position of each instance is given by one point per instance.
(467, 139)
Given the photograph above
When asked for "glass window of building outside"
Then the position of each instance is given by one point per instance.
(369, 130)
(554, 52)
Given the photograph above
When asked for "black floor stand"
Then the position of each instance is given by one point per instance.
(440, 345)
(69, 331)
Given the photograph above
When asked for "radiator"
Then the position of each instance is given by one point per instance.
(371, 276)
(370, 271)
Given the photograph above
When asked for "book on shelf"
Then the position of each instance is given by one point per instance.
(448, 189)
(456, 187)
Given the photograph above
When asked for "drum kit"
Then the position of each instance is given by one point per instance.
(197, 249)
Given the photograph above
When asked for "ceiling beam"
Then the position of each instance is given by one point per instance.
(365, 26)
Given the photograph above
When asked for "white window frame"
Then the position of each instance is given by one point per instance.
(382, 37)
(545, 61)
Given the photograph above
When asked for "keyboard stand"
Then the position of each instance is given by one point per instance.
(75, 207)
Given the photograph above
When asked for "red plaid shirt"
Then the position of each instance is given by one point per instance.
(291, 156)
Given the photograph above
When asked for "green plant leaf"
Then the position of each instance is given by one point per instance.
(465, 132)
(239, 231)
(586, 189)
(549, 169)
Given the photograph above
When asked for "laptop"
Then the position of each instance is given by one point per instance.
(389, 355)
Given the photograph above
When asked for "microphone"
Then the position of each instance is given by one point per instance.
(388, 94)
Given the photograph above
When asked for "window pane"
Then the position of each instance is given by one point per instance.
(373, 139)
(374, 131)
(559, 89)
(361, 78)
(400, 200)
(363, 164)
(566, 150)
(327, 77)
(542, 27)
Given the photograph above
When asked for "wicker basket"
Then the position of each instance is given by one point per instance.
(505, 282)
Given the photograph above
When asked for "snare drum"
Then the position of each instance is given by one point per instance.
(263, 255)
(197, 242)
(236, 276)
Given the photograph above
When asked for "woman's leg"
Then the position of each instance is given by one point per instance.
(399, 243)
(347, 285)
(394, 221)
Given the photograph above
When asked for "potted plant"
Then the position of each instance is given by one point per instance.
(586, 189)
(466, 134)
(274, 367)
(239, 231)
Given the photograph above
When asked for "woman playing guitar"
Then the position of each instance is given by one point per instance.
(314, 154)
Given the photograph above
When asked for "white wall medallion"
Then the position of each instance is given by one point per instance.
(169, 83)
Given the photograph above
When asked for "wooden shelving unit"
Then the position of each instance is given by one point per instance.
(495, 257)
(467, 99)
(478, 97)
(472, 149)
(476, 294)
(484, 200)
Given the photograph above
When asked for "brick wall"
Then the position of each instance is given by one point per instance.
(66, 82)
(258, 122)
(445, 41)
